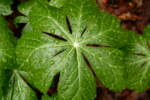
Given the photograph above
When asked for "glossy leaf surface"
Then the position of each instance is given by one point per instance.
(137, 61)
(71, 41)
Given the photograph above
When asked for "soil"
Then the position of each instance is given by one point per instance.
(134, 15)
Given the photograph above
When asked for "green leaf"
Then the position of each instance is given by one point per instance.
(57, 3)
(18, 89)
(20, 19)
(27, 28)
(7, 53)
(1, 92)
(5, 8)
(147, 31)
(71, 40)
(7, 2)
(137, 62)
(25, 7)
(7, 46)
(53, 20)
(4, 77)
(25, 20)
(54, 3)
(46, 97)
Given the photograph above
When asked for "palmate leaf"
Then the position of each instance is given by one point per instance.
(18, 89)
(5, 8)
(137, 61)
(68, 40)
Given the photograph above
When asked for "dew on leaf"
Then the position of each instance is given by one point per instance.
(73, 25)
(66, 52)
(52, 62)
(88, 75)
(88, 32)
(100, 40)
(55, 51)
(27, 60)
(52, 30)
(82, 66)
(56, 41)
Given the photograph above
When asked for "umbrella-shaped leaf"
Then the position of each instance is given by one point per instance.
(74, 41)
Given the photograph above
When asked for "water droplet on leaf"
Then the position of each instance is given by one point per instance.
(52, 62)
(52, 30)
(55, 51)
(100, 40)
(88, 32)
(82, 66)
(67, 52)
(73, 25)
(56, 41)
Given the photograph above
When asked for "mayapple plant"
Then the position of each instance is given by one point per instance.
(75, 40)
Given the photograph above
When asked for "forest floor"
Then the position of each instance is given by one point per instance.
(134, 15)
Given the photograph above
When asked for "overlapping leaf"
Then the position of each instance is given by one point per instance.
(68, 41)
(5, 8)
(46, 97)
(25, 8)
(18, 89)
(137, 61)
(4, 77)
(7, 45)
(7, 53)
